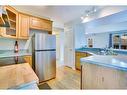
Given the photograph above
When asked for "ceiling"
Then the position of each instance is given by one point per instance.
(59, 14)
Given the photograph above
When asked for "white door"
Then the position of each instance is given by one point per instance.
(69, 49)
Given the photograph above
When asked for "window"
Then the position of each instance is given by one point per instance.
(116, 41)
(124, 41)
(120, 41)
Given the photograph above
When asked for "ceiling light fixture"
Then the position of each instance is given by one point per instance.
(82, 17)
(88, 13)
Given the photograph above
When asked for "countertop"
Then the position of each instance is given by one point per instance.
(27, 86)
(86, 51)
(16, 75)
(10, 53)
(96, 51)
(116, 62)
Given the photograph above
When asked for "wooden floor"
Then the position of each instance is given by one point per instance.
(66, 78)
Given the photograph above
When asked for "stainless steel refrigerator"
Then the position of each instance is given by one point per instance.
(44, 56)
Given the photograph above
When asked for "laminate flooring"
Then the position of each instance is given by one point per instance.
(66, 78)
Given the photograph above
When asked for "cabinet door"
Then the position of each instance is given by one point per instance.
(23, 26)
(78, 56)
(77, 61)
(36, 23)
(41, 24)
(91, 77)
(28, 59)
(12, 31)
(47, 25)
(114, 79)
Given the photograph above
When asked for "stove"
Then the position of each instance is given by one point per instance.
(12, 60)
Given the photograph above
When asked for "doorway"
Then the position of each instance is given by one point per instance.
(59, 47)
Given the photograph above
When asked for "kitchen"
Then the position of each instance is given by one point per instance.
(94, 32)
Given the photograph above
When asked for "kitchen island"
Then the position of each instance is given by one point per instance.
(16, 71)
(104, 72)
(18, 76)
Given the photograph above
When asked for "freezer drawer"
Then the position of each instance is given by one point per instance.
(45, 65)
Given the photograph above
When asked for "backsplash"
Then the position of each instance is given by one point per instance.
(8, 44)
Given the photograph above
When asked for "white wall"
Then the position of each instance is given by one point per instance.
(62, 46)
(80, 39)
(100, 40)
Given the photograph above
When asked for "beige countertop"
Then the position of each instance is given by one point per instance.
(15, 75)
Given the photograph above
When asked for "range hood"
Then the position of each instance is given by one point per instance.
(4, 20)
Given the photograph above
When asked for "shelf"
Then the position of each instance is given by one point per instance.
(11, 20)
(10, 32)
(12, 28)
(10, 36)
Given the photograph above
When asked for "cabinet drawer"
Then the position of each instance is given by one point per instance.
(82, 54)
(77, 53)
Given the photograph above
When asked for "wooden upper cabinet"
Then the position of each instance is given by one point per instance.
(35, 23)
(20, 24)
(41, 24)
(47, 25)
(12, 31)
(23, 26)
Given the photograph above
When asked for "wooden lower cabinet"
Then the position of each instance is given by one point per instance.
(99, 77)
(28, 59)
(79, 55)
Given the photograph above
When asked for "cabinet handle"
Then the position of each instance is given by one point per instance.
(102, 79)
